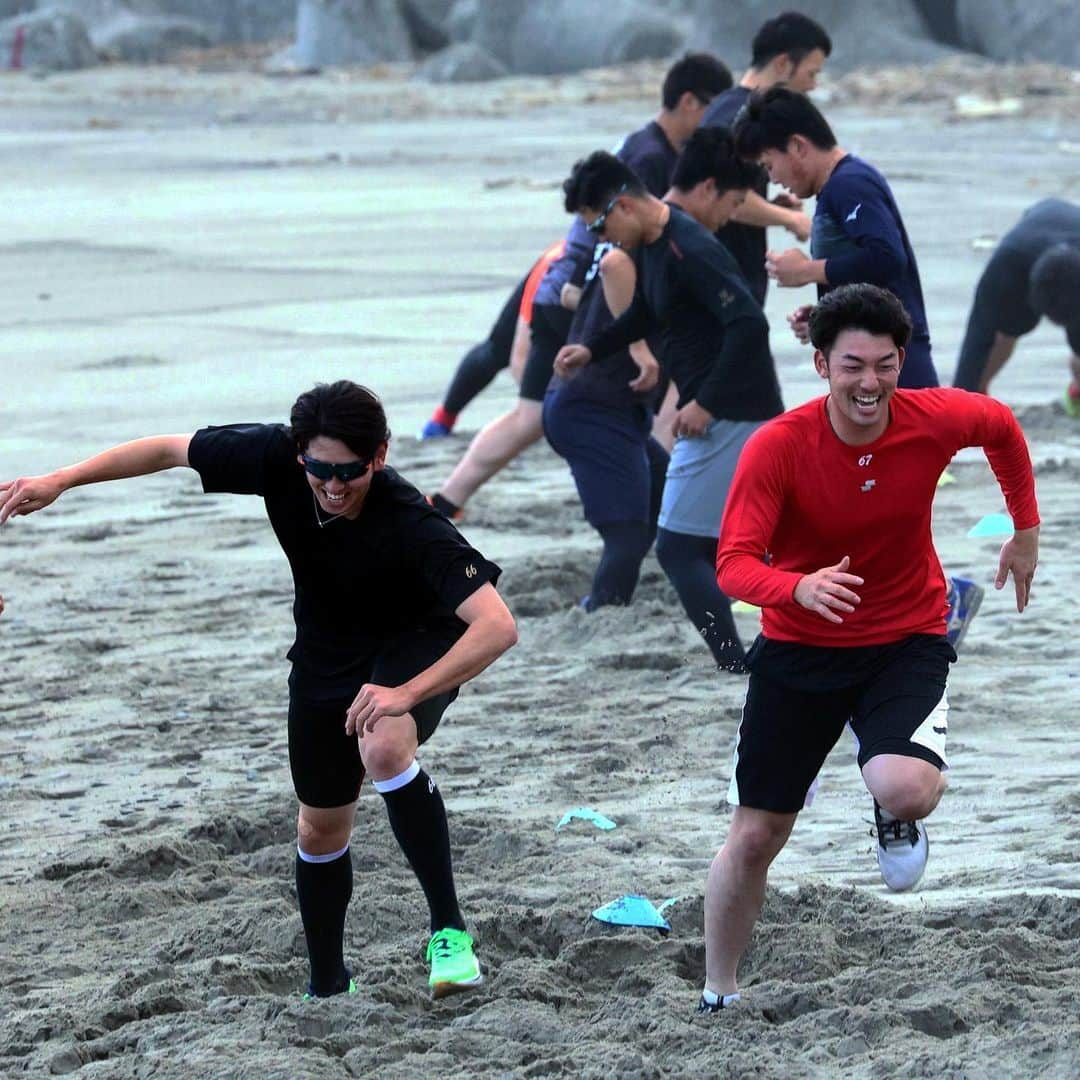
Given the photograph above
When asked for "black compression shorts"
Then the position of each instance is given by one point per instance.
(550, 326)
(325, 762)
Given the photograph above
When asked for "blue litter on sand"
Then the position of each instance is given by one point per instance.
(632, 911)
(992, 525)
(586, 814)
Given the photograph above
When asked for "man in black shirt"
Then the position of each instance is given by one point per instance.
(1035, 271)
(689, 86)
(715, 346)
(790, 49)
(393, 612)
(599, 419)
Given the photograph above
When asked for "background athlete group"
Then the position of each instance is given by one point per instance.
(642, 353)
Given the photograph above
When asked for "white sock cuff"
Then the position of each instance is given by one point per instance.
(308, 857)
(399, 781)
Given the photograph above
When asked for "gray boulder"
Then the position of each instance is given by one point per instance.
(461, 62)
(148, 39)
(47, 40)
(16, 7)
(1046, 30)
(566, 35)
(232, 21)
(863, 32)
(331, 32)
(426, 20)
(462, 18)
(225, 21)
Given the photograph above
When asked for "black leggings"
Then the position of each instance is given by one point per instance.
(484, 361)
(626, 543)
(690, 564)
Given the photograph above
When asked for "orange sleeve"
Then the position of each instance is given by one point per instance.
(536, 275)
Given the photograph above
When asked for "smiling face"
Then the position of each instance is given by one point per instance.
(334, 495)
(862, 370)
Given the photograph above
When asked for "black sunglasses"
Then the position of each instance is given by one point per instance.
(596, 227)
(324, 470)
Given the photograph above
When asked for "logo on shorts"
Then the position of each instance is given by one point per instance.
(726, 297)
(868, 486)
(854, 213)
(941, 730)
(470, 571)
(866, 459)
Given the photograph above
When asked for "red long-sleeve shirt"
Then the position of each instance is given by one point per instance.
(805, 499)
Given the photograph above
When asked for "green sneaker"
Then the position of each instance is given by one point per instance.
(1072, 400)
(310, 995)
(454, 966)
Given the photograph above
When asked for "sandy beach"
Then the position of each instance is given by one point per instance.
(186, 247)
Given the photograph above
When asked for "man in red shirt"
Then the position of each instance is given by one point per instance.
(824, 500)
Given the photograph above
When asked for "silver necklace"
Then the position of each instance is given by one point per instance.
(330, 520)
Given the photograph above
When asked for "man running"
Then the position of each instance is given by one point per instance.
(853, 628)
(1035, 271)
(690, 84)
(714, 344)
(790, 49)
(598, 419)
(393, 611)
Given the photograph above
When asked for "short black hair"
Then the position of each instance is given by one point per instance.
(858, 307)
(768, 121)
(342, 410)
(710, 152)
(703, 74)
(595, 180)
(1054, 287)
(790, 32)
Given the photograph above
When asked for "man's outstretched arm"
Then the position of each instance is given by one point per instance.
(137, 458)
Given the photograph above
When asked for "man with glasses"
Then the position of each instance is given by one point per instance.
(650, 153)
(393, 612)
(715, 346)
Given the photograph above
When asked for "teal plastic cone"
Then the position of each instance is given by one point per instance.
(632, 911)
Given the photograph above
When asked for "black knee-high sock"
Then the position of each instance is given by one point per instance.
(324, 890)
(690, 564)
(418, 818)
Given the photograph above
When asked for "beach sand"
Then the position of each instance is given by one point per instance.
(187, 247)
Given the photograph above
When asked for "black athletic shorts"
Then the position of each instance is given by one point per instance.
(550, 327)
(800, 697)
(325, 762)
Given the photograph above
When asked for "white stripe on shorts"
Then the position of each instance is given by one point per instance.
(932, 732)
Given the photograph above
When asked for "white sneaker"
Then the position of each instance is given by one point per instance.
(902, 850)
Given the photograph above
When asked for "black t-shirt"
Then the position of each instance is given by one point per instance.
(399, 566)
(1003, 298)
(715, 338)
(607, 378)
(746, 242)
(648, 152)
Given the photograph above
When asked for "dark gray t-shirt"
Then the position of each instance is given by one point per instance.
(1002, 297)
